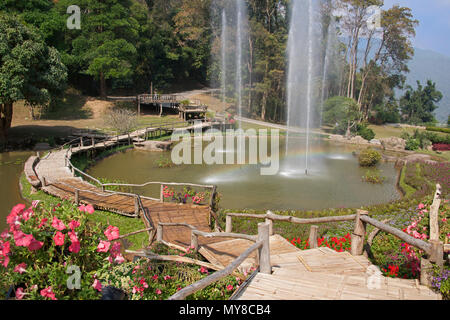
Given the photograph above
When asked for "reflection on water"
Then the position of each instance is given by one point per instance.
(11, 167)
(334, 180)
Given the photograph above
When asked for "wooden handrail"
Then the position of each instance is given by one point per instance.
(262, 245)
(423, 245)
(184, 293)
(275, 217)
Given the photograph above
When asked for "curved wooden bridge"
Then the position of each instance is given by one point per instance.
(56, 175)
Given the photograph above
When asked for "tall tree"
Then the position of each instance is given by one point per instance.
(29, 69)
(418, 105)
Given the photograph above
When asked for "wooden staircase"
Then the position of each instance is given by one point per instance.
(323, 274)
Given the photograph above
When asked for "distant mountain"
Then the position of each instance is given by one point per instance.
(431, 65)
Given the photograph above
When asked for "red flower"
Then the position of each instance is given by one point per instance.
(59, 239)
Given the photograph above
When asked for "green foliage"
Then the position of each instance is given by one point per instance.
(412, 144)
(369, 158)
(437, 129)
(29, 69)
(418, 105)
(342, 113)
(364, 131)
(373, 176)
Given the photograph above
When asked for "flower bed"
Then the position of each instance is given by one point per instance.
(45, 245)
(43, 242)
(338, 244)
(441, 147)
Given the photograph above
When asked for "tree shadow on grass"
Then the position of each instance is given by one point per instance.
(70, 107)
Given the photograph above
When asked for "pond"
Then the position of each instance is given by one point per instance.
(334, 181)
(11, 168)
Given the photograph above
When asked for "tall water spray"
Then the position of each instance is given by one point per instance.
(240, 12)
(302, 71)
(223, 54)
(329, 51)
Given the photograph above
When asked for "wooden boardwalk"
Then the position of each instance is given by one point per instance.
(61, 182)
(323, 274)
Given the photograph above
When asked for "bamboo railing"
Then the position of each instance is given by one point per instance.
(434, 249)
(262, 244)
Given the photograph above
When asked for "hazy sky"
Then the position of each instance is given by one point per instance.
(433, 32)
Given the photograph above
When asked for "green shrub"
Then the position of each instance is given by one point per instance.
(373, 176)
(366, 132)
(437, 129)
(412, 144)
(369, 158)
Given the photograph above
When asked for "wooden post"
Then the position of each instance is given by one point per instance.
(77, 197)
(159, 233)
(229, 224)
(270, 223)
(161, 195)
(359, 234)
(264, 251)
(437, 253)
(161, 109)
(92, 141)
(81, 142)
(213, 196)
(139, 105)
(136, 206)
(313, 237)
(38, 154)
(434, 215)
(426, 270)
(129, 139)
(194, 241)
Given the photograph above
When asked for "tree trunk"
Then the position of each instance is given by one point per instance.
(102, 85)
(6, 112)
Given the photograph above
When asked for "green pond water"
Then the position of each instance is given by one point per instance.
(334, 179)
(11, 167)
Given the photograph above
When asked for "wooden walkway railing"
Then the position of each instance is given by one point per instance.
(433, 248)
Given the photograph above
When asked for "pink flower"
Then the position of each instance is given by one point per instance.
(167, 277)
(48, 293)
(97, 285)
(112, 233)
(75, 247)
(119, 259)
(58, 224)
(59, 239)
(444, 220)
(35, 245)
(143, 283)
(73, 236)
(115, 249)
(158, 291)
(203, 270)
(230, 287)
(20, 268)
(89, 209)
(21, 239)
(421, 206)
(155, 277)
(74, 224)
(19, 294)
(103, 246)
(35, 203)
(27, 214)
(43, 222)
(4, 235)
